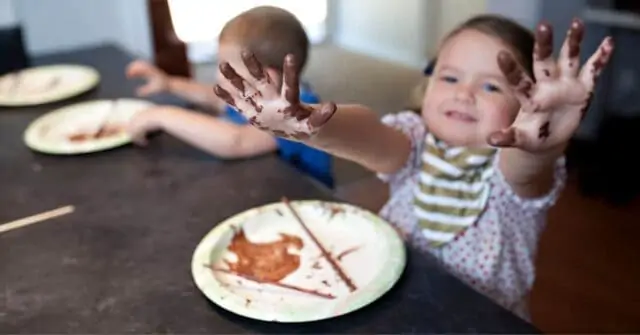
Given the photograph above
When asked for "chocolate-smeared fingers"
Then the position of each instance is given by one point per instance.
(224, 95)
(238, 92)
(266, 107)
(569, 61)
(592, 69)
(504, 138)
(544, 65)
(258, 76)
(322, 116)
(517, 78)
(290, 80)
(242, 87)
(596, 63)
(235, 101)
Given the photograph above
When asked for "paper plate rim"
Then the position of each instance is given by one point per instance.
(214, 291)
(30, 137)
(94, 79)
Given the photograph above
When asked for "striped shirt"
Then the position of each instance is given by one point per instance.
(496, 254)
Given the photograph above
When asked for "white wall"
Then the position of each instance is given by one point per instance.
(403, 31)
(454, 12)
(135, 34)
(394, 30)
(7, 13)
(525, 12)
(51, 26)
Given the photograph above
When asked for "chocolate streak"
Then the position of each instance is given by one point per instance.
(253, 65)
(574, 38)
(325, 253)
(224, 95)
(543, 132)
(514, 74)
(603, 58)
(544, 41)
(346, 252)
(231, 75)
(598, 65)
(278, 284)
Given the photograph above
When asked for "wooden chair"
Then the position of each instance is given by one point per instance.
(13, 55)
(170, 52)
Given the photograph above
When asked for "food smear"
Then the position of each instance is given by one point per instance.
(267, 261)
(104, 132)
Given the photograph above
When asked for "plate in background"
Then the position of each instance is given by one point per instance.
(84, 127)
(45, 84)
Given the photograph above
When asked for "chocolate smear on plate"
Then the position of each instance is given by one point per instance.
(104, 132)
(334, 264)
(278, 284)
(346, 252)
(267, 261)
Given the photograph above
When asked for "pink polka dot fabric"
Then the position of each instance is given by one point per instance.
(496, 255)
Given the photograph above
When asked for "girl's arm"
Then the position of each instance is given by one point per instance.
(357, 134)
(551, 108)
(213, 135)
(349, 131)
(530, 175)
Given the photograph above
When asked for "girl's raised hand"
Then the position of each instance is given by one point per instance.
(267, 106)
(553, 105)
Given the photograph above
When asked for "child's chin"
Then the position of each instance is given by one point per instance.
(457, 137)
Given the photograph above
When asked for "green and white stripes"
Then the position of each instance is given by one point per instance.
(452, 191)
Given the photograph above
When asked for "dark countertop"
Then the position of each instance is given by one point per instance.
(121, 262)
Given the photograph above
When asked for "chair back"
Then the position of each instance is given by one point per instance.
(13, 55)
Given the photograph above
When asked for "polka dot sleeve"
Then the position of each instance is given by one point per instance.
(412, 125)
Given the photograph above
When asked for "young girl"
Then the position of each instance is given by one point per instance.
(473, 176)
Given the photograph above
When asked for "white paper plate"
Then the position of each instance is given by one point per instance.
(374, 267)
(59, 131)
(45, 84)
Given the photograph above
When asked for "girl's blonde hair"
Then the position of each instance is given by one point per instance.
(519, 39)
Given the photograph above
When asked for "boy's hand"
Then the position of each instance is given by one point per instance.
(157, 80)
(145, 122)
(258, 97)
(553, 105)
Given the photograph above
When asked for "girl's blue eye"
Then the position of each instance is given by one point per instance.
(449, 79)
(491, 88)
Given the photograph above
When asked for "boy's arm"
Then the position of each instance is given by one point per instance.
(158, 81)
(213, 135)
(349, 131)
(194, 92)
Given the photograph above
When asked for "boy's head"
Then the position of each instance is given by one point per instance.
(467, 97)
(268, 32)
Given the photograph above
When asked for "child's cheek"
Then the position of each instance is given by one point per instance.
(501, 115)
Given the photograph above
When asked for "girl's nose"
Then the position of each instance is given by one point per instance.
(464, 94)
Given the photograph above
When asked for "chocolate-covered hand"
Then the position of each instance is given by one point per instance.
(266, 106)
(552, 106)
